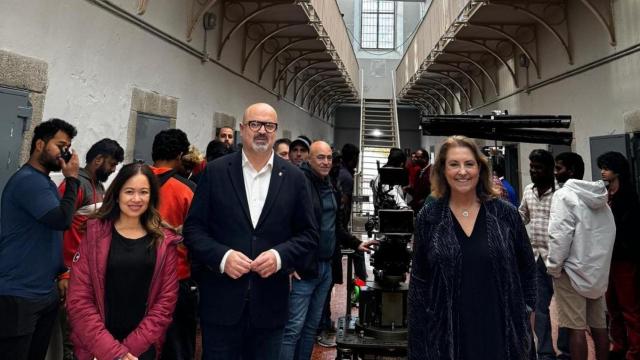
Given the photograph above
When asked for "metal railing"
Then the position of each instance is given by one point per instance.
(439, 19)
(357, 182)
(333, 23)
(394, 104)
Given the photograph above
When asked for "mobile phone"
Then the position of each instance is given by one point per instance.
(65, 154)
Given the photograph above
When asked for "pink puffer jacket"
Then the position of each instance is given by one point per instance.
(85, 298)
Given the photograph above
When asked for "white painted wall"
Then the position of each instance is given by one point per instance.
(597, 99)
(95, 59)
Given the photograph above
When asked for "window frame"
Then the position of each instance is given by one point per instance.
(377, 13)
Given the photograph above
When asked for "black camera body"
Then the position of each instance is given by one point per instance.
(381, 326)
(392, 226)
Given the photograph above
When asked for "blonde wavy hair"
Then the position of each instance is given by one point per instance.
(439, 185)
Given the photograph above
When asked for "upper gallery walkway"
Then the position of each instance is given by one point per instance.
(467, 53)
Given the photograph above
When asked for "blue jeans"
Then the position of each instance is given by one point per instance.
(306, 302)
(543, 319)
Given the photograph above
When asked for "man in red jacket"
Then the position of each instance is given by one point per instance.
(176, 193)
(102, 159)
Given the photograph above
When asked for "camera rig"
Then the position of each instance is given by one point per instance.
(380, 329)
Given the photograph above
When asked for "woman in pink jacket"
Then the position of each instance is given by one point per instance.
(124, 286)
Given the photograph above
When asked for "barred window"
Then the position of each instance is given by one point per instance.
(378, 24)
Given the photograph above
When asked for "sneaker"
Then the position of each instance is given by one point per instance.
(327, 341)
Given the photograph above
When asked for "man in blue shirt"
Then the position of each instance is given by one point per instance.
(33, 217)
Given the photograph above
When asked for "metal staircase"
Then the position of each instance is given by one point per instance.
(378, 133)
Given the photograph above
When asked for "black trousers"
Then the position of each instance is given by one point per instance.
(180, 341)
(241, 341)
(26, 326)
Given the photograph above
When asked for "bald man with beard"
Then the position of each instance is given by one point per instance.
(250, 221)
(311, 283)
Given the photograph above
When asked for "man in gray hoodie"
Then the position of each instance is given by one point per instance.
(581, 235)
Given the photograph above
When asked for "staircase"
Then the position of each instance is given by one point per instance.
(378, 134)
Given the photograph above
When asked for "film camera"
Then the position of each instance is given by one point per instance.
(381, 326)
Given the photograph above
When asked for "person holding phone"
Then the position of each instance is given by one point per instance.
(32, 221)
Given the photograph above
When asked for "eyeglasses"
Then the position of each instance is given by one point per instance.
(269, 127)
(324, 157)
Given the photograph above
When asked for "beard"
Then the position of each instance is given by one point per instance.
(260, 144)
(49, 162)
(102, 175)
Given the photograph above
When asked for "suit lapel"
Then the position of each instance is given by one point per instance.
(234, 170)
(277, 178)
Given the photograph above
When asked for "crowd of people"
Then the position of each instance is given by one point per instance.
(244, 243)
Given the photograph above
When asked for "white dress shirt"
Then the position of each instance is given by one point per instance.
(256, 186)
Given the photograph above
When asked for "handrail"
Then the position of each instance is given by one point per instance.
(441, 17)
(394, 103)
(358, 180)
(333, 23)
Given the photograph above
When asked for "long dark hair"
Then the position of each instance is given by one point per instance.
(110, 209)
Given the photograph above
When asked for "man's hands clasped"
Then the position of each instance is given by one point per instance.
(238, 264)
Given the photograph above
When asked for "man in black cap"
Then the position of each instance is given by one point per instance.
(299, 150)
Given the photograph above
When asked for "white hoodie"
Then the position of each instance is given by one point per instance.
(581, 235)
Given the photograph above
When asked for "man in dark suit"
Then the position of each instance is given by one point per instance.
(250, 223)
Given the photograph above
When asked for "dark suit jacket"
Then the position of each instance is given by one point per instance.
(219, 220)
(343, 238)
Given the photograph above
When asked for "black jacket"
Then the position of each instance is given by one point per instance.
(435, 281)
(626, 212)
(343, 237)
(219, 220)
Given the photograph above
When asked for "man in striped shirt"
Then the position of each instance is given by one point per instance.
(534, 209)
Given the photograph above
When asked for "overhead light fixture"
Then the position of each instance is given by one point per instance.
(376, 133)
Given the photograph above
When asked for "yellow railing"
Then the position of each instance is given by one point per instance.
(436, 22)
(333, 23)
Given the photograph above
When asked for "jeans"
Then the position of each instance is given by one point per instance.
(543, 319)
(240, 341)
(325, 319)
(306, 302)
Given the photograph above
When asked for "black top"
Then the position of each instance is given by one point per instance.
(130, 268)
(481, 324)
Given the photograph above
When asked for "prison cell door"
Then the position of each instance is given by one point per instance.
(147, 126)
(602, 144)
(15, 113)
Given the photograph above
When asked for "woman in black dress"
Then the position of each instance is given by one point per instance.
(472, 282)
